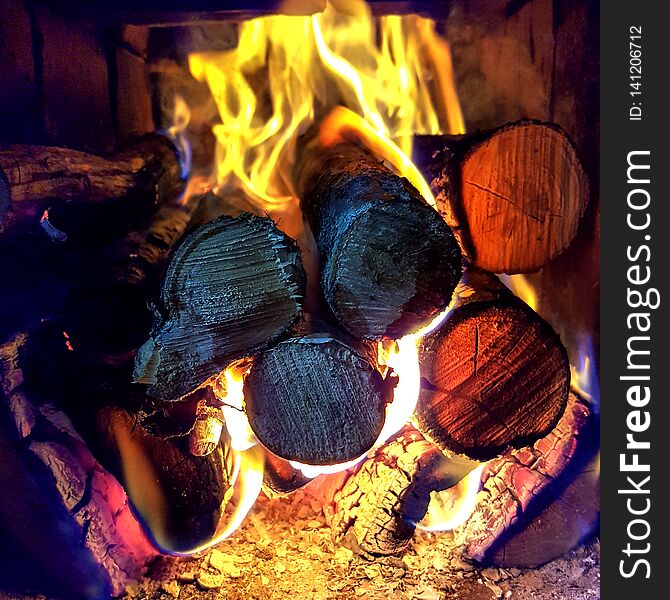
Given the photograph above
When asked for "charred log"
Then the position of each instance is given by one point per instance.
(378, 506)
(317, 399)
(537, 503)
(494, 374)
(107, 315)
(35, 178)
(515, 194)
(232, 287)
(379, 277)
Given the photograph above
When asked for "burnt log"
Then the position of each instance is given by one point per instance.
(68, 529)
(377, 508)
(179, 497)
(515, 195)
(232, 287)
(378, 276)
(107, 315)
(494, 374)
(539, 502)
(317, 399)
(36, 178)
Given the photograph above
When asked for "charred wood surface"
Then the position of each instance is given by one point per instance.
(316, 399)
(389, 263)
(516, 194)
(376, 510)
(537, 503)
(36, 178)
(179, 496)
(232, 287)
(68, 530)
(494, 374)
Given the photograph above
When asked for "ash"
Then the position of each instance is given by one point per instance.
(284, 549)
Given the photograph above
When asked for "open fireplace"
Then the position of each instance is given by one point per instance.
(299, 299)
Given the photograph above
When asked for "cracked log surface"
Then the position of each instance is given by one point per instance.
(539, 502)
(379, 503)
(232, 287)
(515, 194)
(36, 178)
(67, 525)
(494, 374)
(316, 399)
(389, 263)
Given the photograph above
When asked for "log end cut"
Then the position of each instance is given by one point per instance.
(232, 287)
(392, 270)
(316, 400)
(523, 193)
(495, 375)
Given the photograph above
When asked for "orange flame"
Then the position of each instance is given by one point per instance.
(521, 287)
(380, 69)
(451, 508)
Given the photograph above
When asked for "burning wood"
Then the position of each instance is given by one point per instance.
(378, 505)
(232, 287)
(378, 277)
(317, 399)
(66, 519)
(514, 194)
(538, 502)
(495, 373)
(33, 178)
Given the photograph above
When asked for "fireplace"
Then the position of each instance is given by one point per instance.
(302, 299)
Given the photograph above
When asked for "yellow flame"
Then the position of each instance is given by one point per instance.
(287, 70)
(248, 456)
(451, 508)
(522, 288)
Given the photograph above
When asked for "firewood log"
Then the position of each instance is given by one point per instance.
(34, 178)
(317, 398)
(389, 263)
(179, 497)
(538, 503)
(378, 506)
(232, 287)
(107, 313)
(494, 374)
(515, 194)
(68, 530)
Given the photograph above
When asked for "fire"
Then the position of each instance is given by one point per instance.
(248, 455)
(451, 508)
(522, 288)
(584, 376)
(380, 69)
(380, 81)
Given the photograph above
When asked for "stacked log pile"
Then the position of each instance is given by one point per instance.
(144, 338)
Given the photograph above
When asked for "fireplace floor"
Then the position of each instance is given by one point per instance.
(284, 550)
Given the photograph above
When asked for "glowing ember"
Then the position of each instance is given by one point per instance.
(452, 507)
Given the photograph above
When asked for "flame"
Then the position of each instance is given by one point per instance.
(584, 377)
(288, 70)
(521, 287)
(451, 508)
(181, 116)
